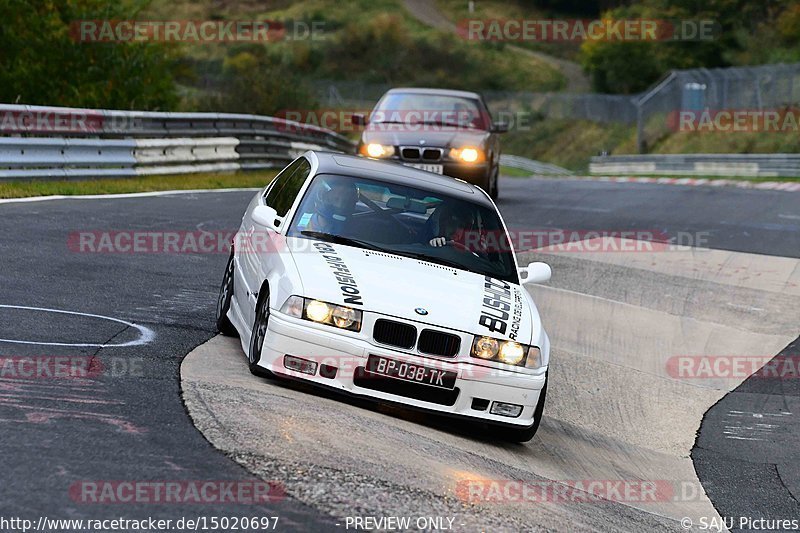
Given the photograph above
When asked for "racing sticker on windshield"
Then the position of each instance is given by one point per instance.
(499, 306)
(347, 284)
(304, 220)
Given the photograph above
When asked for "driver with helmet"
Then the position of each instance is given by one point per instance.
(456, 226)
(333, 207)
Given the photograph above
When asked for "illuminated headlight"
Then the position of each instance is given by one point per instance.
(508, 352)
(377, 150)
(318, 311)
(512, 353)
(485, 347)
(467, 154)
(323, 313)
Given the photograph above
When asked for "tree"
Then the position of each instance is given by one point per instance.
(42, 62)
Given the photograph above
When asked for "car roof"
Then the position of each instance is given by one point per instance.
(441, 92)
(362, 167)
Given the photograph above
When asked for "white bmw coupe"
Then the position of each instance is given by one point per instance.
(391, 283)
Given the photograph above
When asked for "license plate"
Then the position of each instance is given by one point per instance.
(444, 379)
(436, 169)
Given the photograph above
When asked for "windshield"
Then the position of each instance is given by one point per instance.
(419, 108)
(406, 221)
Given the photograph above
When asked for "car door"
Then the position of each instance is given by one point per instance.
(266, 248)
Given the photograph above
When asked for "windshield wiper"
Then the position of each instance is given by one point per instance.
(444, 124)
(340, 239)
(426, 123)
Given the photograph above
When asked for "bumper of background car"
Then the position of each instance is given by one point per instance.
(294, 337)
(476, 174)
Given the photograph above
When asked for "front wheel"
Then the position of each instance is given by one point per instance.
(494, 186)
(224, 324)
(524, 434)
(258, 335)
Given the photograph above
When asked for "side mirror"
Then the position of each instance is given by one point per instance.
(359, 119)
(535, 273)
(266, 216)
(500, 127)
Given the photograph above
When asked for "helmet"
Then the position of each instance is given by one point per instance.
(452, 218)
(338, 202)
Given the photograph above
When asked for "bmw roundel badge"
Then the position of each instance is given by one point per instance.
(421, 311)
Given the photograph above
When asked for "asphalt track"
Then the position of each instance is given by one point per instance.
(132, 425)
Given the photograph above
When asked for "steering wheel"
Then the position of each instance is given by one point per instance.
(463, 247)
(383, 213)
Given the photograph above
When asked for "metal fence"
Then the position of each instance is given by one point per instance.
(596, 107)
(743, 88)
(53, 142)
(532, 166)
(655, 111)
(743, 165)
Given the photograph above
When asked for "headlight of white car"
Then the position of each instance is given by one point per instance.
(508, 352)
(321, 312)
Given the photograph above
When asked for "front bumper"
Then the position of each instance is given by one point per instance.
(475, 173)
(295, 337)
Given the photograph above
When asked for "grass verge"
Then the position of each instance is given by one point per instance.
(511, 172)
(25, 189)
(773, 179)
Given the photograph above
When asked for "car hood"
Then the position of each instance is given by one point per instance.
(396, 286)
(402, 135)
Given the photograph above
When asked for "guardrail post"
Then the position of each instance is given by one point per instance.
(640, 142)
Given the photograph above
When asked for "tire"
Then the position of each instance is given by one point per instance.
(525, 434)
(494, 185)
(258, 334)
(224, 324)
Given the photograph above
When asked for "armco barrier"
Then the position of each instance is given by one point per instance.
(58, 142)
(745, 165)
(532, 166)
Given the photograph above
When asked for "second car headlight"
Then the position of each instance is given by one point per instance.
(376, 150)
(503, 351)
(323, 312)
(468, 154)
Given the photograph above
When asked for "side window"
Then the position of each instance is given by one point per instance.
(282, 194)
(277, 180)
(486, 116)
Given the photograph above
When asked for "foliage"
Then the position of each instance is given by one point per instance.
(385, 49)
(744, 33)
(41, 62)
(258, 81)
